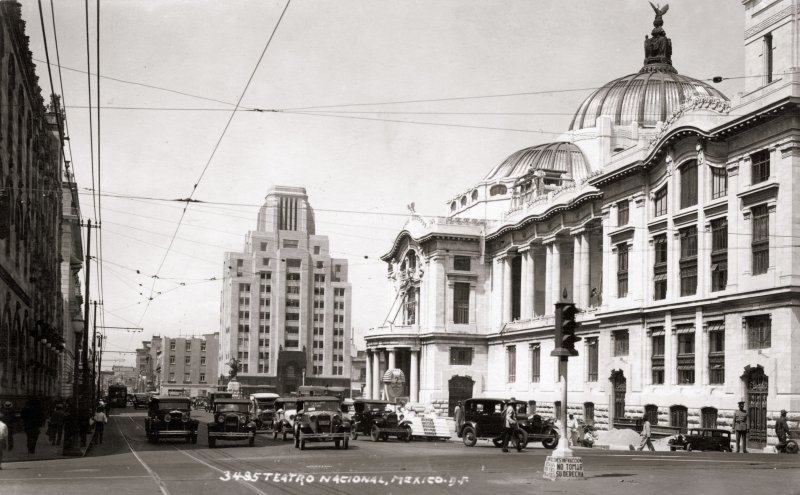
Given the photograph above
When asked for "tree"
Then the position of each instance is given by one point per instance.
(235, 367)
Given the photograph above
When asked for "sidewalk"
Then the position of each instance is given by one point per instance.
(44, 451)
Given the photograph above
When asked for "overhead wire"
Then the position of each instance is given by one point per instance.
(216, 146)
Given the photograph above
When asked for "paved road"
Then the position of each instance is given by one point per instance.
(126, 464)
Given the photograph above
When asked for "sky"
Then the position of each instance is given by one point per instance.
(347, 78)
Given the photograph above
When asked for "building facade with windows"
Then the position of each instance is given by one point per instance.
(285, 309)
(665, 213)
(188, 364)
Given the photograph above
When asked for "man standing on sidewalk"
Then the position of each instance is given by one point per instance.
(57, 425)
(509, 417)
(6, 440)
(32, 418)
(100, 420)
(740, 426)
(645, 436)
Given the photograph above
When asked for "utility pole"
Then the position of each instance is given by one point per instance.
(82, 412)
(101, 340)
(95, 369)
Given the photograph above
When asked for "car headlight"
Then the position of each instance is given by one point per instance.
(220, 419)
(251, 425)
(313, 418)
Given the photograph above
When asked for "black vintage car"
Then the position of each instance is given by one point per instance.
(702, 439)
(378, 419)
(262, 408)
(170, 417)
(231, 421)
(283, 423)
(483, 419)
(140, 400)
(212, 396)
(320, 419)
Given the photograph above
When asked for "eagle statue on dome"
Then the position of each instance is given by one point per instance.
(658, 49)
(659, 10)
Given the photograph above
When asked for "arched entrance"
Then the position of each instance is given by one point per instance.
(757, 385)
(619, 386)
(289, 378)
(460, 389)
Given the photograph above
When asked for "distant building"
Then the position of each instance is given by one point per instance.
(188, 364)
(147, 362)
(123, 375)
(285, 312)
(667, 214)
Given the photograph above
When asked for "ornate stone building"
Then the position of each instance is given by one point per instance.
(285, 310)
(31, 306)
(665, 212)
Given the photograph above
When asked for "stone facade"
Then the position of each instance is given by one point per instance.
(677, 246)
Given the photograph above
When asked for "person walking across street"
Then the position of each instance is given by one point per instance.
(458, 416)
(509, 417)
(100, 420)
(740, 427)
(782, 427)
(32, 419)
(645, 436)
(6, 439)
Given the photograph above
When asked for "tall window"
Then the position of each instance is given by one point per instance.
(689, 184)
(461, 263)
(688, 262)
(660, 202)
(678, 416)
(588, 412)
(719, 254)
(651, 413)
(760, 166)
(591, 359)
(622, 270)
(536, 362)
(760, 240)
(620, 342)
(685, 355)
(719, 182)
(660, 267)
(623, 213)
(657, 356)
(716, 353)
(768, 65)
(759, 332)
(708, 417)
(511, 359)
(461, 302)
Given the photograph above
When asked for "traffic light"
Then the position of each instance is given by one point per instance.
(565, 327)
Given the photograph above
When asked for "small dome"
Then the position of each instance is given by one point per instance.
(560, 156)
(651, 95)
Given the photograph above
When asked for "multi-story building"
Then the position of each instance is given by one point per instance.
(666, 213)
(172, 364)
(285, 311)
(71, 265)
(32, 326)
(122, 375)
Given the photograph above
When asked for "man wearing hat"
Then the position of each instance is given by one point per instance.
(740, 427)
(782, 427)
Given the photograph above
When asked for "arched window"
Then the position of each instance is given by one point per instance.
(708, 417)
(651, 413)
(475, 195)
(463, 200)
(678, 416)
(453, 206)
(588, 412)
(497, 190)
(688, 184)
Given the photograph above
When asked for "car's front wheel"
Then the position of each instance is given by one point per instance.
(469, 436)
(551, 442)
(689, 447)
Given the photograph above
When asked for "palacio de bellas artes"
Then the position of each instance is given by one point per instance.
(666, 212)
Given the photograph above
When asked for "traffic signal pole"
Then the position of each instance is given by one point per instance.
(563, 449)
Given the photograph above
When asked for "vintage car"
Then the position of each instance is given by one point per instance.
(701, 439)
(262, 409)
(539, 429)
(231, 421)
(170, 417)
(483, 419)
(378, 419)
(320, 419)
(284, 417)
(212, 396)
(141, 400)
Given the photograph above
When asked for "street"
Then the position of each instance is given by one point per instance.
(126, 464)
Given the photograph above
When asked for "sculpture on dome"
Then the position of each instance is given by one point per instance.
(658, 49)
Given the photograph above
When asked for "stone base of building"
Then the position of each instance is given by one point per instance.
(563, 468)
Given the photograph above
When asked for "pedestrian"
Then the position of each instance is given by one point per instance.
(32, 419)
(458, 416)
(6, 438)
(645, 436)
(572, 426)
(100, 420)
(509, 417)
(740, 427)
(782, 427)
(57, 425)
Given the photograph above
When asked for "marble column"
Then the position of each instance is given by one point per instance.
(548, 279)
(577, 269)
(556, 273)
(368, 385)
(414, 384)
(391, 361)
(524, 287)
(507, 292)
(531, 284)
(585, 272)
(376, 375)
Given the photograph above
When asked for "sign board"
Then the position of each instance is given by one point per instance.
(563, 468)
